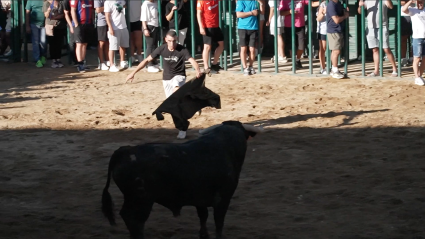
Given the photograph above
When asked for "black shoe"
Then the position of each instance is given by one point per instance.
(298, 65)
(216, 67)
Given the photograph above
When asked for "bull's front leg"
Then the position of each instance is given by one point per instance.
(135, 215)
(203, 216)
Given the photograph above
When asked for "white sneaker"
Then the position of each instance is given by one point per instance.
(419, 81)
(246, 71)
(181, 135)
(251, 69)
(114, 68)
(404, 62)
(323, 72)
(9, 53)
(54, 65)
(282, 59)
(124, 64)
(158, 66)
(153, 69)
(108, 63)
(104, 67)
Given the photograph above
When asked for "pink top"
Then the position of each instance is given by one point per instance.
(285, 5)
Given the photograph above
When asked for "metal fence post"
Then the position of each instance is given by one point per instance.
(160, 32)
(399, 39)
(230, 32)
(310, 40)
(24, 30)
(276, 35)
(127, 19)
(220, 22)
(176, 18)
(328, 52)
(294, 54)
(381, 42)
(347, 42)
(259, 37)
(192, 28)
(224, 29)
(362, 19)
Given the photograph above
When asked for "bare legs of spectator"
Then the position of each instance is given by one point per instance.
(418, 70)
(334, 58)
(217, 53)
(322, 51)
(390, 56)
(244, 55)
(280, 46)
(137, 44)
(102, 52)
(80, 51)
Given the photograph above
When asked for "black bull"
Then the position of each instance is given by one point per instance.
(203, 173)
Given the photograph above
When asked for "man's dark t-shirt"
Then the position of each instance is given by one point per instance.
(66, 6)
(174, 61)
(334, 9)
(182, 14)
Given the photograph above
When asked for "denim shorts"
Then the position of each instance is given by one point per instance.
(418, 47)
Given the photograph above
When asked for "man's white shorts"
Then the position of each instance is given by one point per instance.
(170, 85)
(120, 38)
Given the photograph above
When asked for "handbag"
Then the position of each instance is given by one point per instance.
(48, 27)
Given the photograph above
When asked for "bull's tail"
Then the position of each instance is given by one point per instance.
(107, 204)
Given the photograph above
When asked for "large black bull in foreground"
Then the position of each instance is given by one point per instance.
(203, 173)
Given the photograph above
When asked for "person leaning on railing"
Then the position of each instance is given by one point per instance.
(418, 21)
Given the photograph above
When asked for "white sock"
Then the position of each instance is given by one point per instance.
(334, 69)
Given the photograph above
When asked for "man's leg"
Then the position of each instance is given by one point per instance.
(280, 46)
(43, 44)
(252, 56)
(376, 59)
(182, 36)
(206, 56)
(243, 56)
(100, 52)
(391, 58)
(35, 39)
(218, 52)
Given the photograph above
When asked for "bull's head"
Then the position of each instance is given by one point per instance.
(250, 131)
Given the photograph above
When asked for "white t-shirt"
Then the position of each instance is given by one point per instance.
(321, 26)
(116, 8)
(404, 14)
(135, 10)
(150, 13)
(280, 19)
(373, 13)
(418, 22)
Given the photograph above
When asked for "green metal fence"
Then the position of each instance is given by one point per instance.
(354, 36)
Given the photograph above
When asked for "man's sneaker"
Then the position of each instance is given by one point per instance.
(140, 58)
(282, 59)
(107, 63)
(54, 64)
(153, 69)
(323, 72)
(158, 66)
(298, 65)
(81, 68)
(43, 60)
(124, 64)
(216, 67)
(404, 62)
(114, 68)
(252, 70)
(337, 75)
(419, 81)
(181, 135)
(246, 71)
(9, 53)
(39, 64)
(103, 67)
(59, 63)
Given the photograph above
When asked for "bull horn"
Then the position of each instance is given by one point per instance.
(204, 131)
(253, 128)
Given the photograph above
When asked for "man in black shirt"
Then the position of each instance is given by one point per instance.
(182, 18)
(174, 72)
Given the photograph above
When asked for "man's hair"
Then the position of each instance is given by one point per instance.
(172, 33)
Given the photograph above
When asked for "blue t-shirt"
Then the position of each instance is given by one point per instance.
(334, 9)
(251, 22)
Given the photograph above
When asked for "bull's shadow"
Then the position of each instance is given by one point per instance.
(349, 117)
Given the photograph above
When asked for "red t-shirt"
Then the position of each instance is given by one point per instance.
(84, 10)
(210, 13)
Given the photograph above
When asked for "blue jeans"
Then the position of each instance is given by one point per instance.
(39, 44)
(418, 47)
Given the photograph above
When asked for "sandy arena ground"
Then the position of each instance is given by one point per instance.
(340, 158)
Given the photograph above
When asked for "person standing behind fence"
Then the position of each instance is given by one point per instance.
(56, 25)
(182, 16)
(372, 32)
(151, 30)
(35, 26)
(280, 31)
(247, 12)
(406, 33)
(208, 20)
(71, 41)
(321, 35)
(117, 32)
(418, 21)
(136, 35)
(82, 20)
(102, 35)
(5, 32)
(335, 16)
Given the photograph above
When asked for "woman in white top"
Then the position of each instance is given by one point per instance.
(280, 30)
(321, 35)
(151, 30)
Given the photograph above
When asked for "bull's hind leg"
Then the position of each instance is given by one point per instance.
(203, 216)
(220, 210)
(135, 213)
